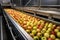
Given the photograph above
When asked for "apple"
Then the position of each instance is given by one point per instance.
(38, 30)
(29, 27)
(46, 35)
(42, 24)
(28, 23)
(43, 38)
(40, 27)
(25, 26)
(38, 34)
(38, 22)
(50, 39)
(22, 25)
(24, 22)
(35, 23)
(53, 26)
(43, 31)
(58, 27)
(58, 34)
(31, 34)
(53, 33)
(34, 31)
(28, 31)
(50, 25)
(35, 27)
(46, 25)
(49, 29)
(57, 39)
(56, 30)
(40, 37)
(31, 24)
(52, 36)
(36, 38)
(41, 21)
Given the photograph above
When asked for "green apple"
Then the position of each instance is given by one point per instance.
(46, 35)
(40, 36)
(43, 30)
(56, 30)
(31, 24)
(58, 34)
(31, 34)
(57, 39)
(50, 25)
(35, 27)
(52, 36)
(34, 31)
(41, 21)
(35, 24)
(46, 25)
(49, 29)
(28, 23)
(43, 38)
(36, 38)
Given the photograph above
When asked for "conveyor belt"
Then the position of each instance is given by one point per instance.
(15, 33)
(22, 32)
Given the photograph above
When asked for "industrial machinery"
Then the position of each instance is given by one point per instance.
(20, 21)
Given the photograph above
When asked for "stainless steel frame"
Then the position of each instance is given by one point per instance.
(1, 28)
(35, 10)
(9, 28)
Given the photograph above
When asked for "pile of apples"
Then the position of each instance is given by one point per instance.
(37, 28)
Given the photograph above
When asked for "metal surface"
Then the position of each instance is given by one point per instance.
(44, 12)
(27, 2)
(9, 28)
(39, 3)
(20, 29)
(1, 28)
(16, 3)
(48, 2)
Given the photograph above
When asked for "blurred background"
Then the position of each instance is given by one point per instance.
(32, 3)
